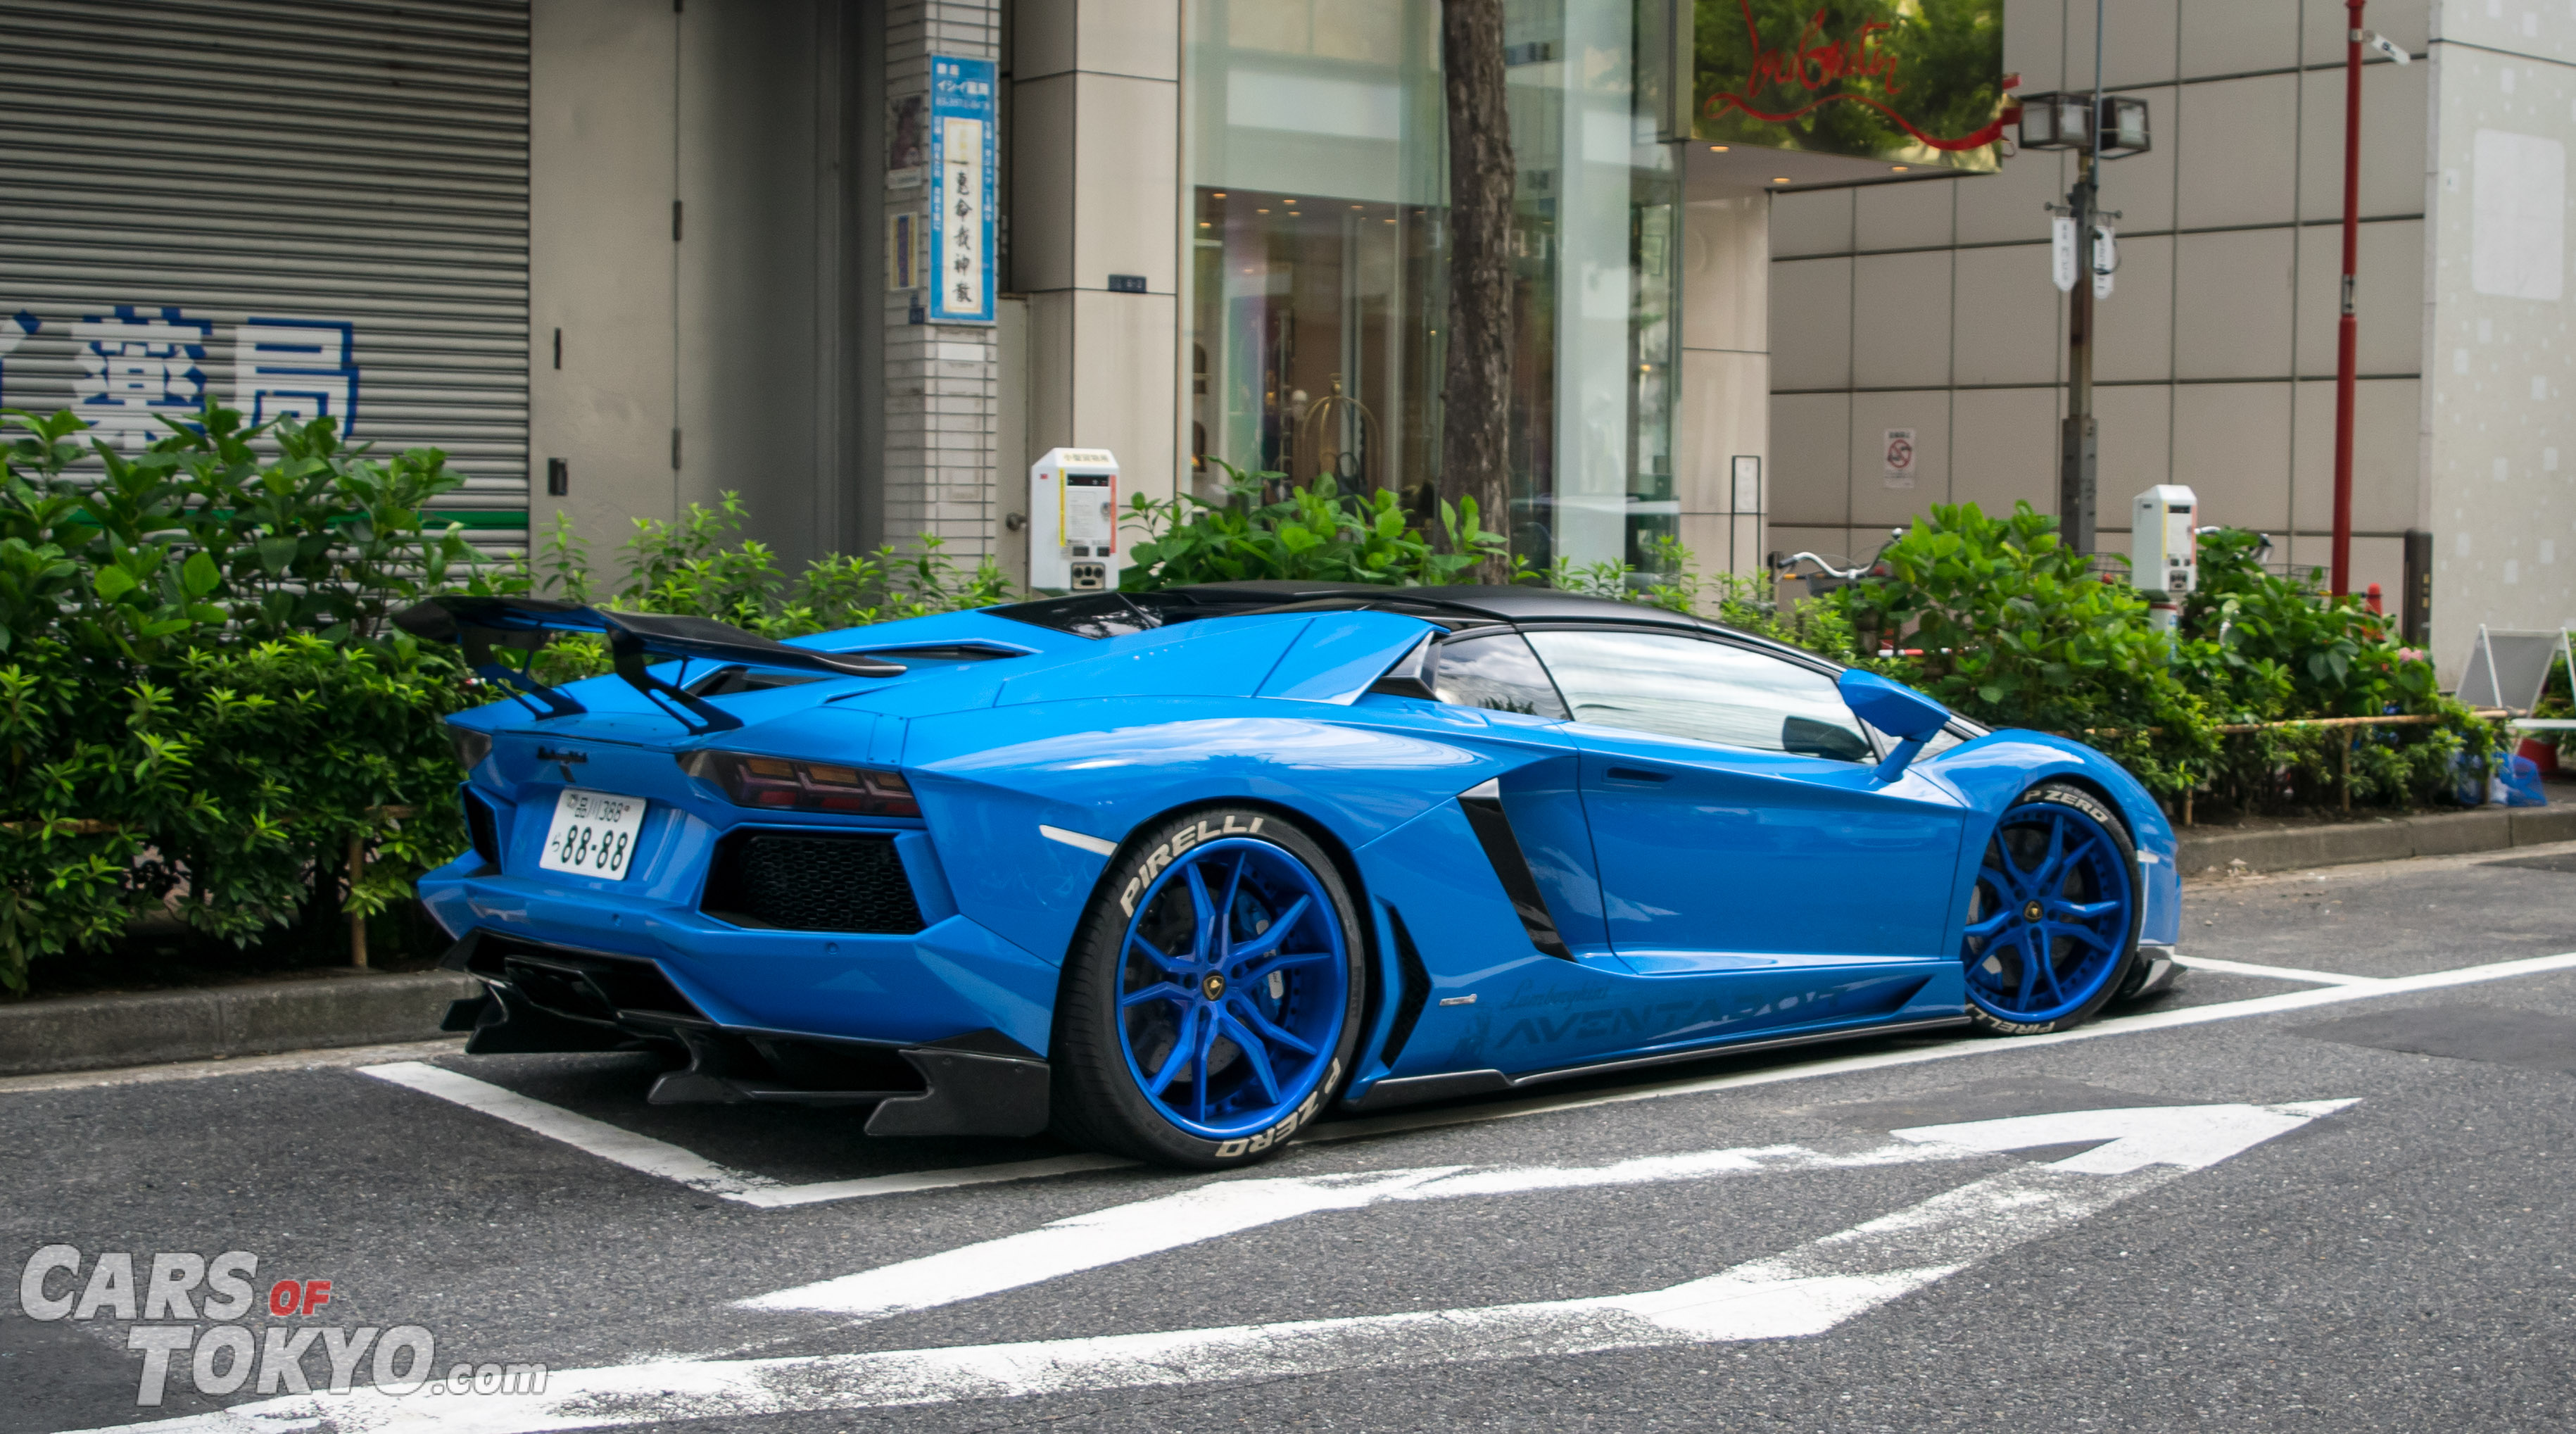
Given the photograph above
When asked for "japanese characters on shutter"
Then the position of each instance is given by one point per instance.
(296, 208)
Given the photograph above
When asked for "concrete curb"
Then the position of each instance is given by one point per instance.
(351, 1009)
(2205, 851)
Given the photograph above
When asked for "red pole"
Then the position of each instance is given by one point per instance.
(2347, 353)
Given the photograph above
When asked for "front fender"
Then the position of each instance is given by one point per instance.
(1994, 769)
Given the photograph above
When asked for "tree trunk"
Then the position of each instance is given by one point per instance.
(1475, 407)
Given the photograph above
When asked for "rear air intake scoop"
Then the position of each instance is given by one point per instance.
(477, 624)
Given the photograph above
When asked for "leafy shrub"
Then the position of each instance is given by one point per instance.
(215, 786)
(1316, 534)
(1741, 601)
(701, 566)
(2265, 647)
(2005, 624)
(200, 535)
(200, 701)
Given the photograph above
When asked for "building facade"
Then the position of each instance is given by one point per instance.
(1929, 308)
(621, 256)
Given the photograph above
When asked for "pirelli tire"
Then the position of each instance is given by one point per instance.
(1213, 993)
(2053, 920)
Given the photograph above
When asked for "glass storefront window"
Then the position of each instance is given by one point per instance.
(1317, 282)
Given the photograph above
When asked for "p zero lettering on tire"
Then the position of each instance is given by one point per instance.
(1212, 996)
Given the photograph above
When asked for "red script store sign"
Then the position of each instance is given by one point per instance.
(1786, 84)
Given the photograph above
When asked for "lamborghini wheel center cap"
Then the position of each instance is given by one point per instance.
(2030, 912)
(1213, 986)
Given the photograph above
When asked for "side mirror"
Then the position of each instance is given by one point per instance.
(1893, 707)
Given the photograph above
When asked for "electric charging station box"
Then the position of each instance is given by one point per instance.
(2164, 551)
(1073, 520)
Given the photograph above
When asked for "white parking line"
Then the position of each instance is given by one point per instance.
(2273, 973)
(670, 1162)
(1951, 1050)
(655, 1157)
(1805, 1290)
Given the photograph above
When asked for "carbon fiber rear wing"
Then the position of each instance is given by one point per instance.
(635, 639)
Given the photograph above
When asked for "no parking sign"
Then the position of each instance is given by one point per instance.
(1900, 458)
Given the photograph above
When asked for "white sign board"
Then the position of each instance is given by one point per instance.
(2061, 252)
(2518, 238)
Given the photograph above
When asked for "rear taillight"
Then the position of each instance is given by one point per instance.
(782, 784)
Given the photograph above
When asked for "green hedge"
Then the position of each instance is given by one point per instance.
(1999, 619)
(200, 697)
(202, 701)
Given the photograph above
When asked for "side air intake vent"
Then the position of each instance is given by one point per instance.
(1493, 827)
(483, 829)
(821, 882)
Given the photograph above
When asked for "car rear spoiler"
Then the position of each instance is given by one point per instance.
(478, 624)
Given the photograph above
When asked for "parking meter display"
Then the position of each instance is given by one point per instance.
(593, 833)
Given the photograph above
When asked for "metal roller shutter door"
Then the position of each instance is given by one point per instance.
(288, 204)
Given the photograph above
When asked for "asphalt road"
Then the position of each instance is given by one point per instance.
(2366, 1222)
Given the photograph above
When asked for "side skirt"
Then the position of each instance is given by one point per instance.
(1413, 1090)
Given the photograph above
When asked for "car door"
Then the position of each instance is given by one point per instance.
(1736, 818)
(1493, 670)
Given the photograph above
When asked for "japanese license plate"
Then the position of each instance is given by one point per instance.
(593, 833)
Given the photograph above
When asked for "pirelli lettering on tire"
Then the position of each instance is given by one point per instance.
(1305, 1111)
(1180, 842)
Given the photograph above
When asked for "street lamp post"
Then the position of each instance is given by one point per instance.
(2098, 128)
(2347, 340)
(2079, 443)
(2347, 346)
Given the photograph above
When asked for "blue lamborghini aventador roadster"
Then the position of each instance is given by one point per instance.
(1168, 873)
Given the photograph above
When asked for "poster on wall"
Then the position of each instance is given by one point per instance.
(1918, 82)
(962, 164)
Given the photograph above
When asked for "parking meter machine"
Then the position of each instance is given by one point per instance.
(2164, 551)
(1073, 520)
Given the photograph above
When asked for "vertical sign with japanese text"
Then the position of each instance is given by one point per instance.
(962, 161)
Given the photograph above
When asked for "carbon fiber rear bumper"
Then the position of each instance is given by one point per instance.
(540, 998)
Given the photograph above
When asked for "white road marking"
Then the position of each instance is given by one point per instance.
(661, 1158)
(1147, 1227)
(2273, 973)
(593, 1137)
(1803, 1291)
(327, 1058)
(1958, 1049)
(655, 1157)
(781, 1197)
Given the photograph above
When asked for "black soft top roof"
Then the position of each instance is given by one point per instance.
(1113, 614)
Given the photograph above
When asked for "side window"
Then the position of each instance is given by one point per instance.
(1495, 670)
(1677, 686)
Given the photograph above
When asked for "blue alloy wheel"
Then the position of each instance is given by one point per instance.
(2050, 922)
(1233, 988)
